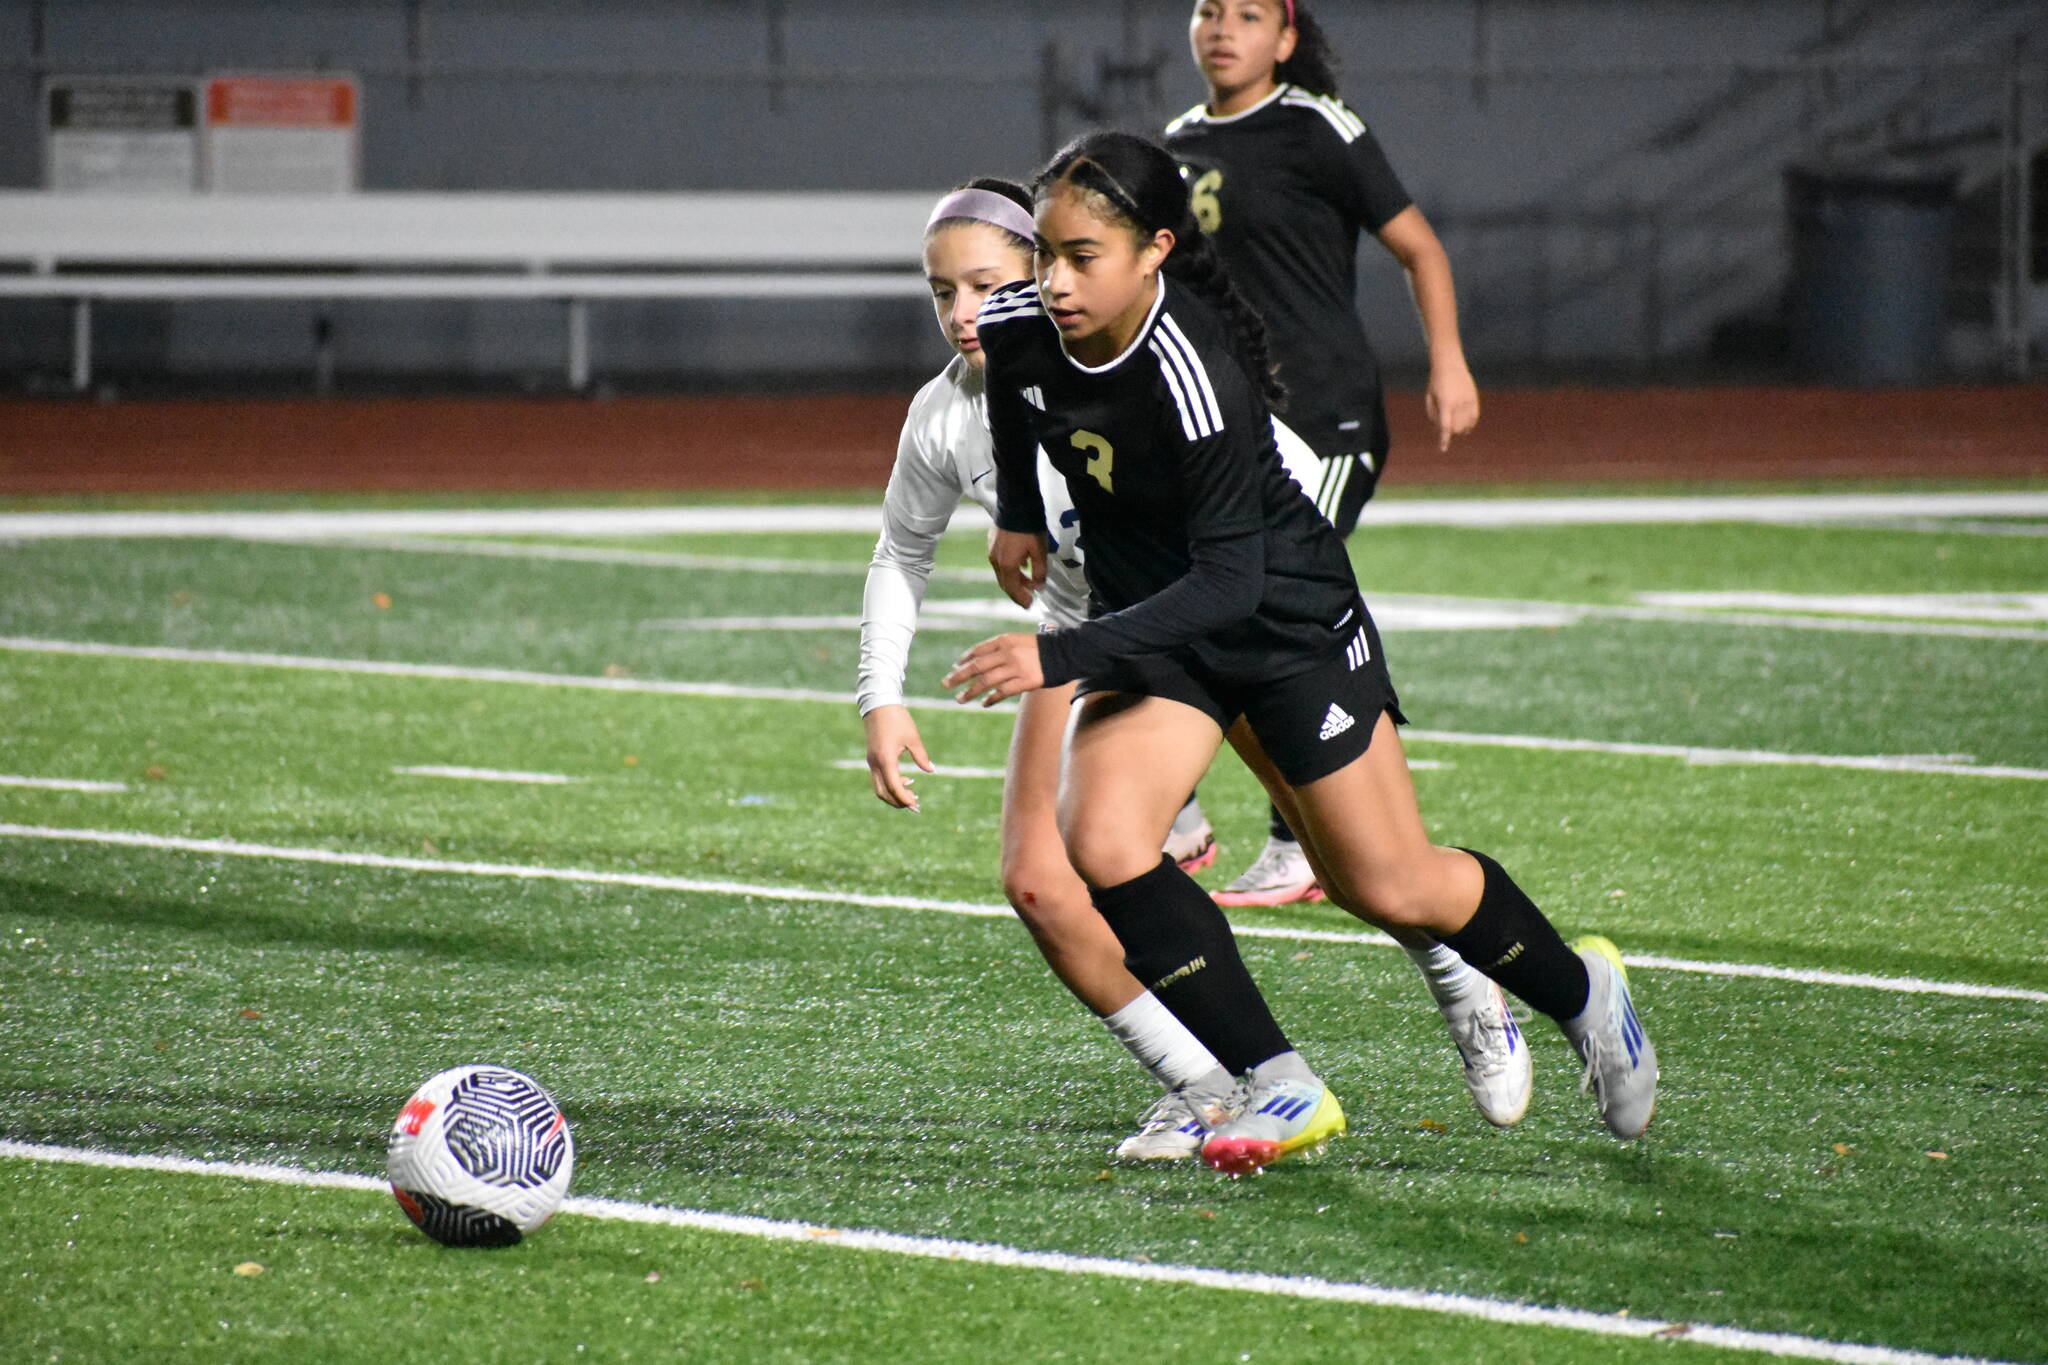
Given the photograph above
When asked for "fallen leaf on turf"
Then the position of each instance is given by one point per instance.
(1301, 956)
(1431, 1126)
(382, 600)
(1843, 1149)
(247, 1268)
(748, 1284)
(1206, 1213)
(1521, 1239)
(428, 846)
(1939, 1156)
(618, 670)
(1676, 1329)
(251, 1014)
(1104, 1174)
(154, 773)
(824, 1232)
(654, 1277)
(632, 760)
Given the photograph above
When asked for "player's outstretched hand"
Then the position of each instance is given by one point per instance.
(1452, 402)
(997, 668)
(891, 734)
(1019, 561)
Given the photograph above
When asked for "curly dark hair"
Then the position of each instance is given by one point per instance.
(1313, 66)
(1137, 182)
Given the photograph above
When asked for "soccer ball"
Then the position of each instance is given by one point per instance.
(480, 1156)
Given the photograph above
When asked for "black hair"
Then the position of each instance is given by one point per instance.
(1011, 191)
(1313, 66)
(1136, 181)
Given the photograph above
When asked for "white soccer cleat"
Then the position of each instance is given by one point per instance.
(1191, 843)
(1621, 1065)
(1280, 876)
(1279, 1118)
(1177, 1125)
(1496, 1056)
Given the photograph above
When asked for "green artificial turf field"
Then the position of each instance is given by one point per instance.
(754, 990)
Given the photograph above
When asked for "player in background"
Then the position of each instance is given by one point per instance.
(980, 237)
(1285, 178)
(1224, 605)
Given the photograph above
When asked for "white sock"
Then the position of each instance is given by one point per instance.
(1160, 1042)
(1449, 976)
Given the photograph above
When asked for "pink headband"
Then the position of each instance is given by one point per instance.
(1290, 13)
(985, 206)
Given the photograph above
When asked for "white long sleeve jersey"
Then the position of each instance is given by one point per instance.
(944, 455)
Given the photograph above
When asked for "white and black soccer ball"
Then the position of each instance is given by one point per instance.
(480, 1156)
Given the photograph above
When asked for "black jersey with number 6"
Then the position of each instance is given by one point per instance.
(1286, 186)
(1195, 537)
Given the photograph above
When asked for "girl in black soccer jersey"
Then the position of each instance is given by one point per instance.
(1222, 603)
(1285, 177)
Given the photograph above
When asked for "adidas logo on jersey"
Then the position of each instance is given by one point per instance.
(1336, 722)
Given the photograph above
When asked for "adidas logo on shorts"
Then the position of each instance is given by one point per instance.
(1336, 722)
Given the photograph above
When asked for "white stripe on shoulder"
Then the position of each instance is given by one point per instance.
(1347, 124)
(1193, 115)
(1176, 385)
(1006, 310)
(1179, 341)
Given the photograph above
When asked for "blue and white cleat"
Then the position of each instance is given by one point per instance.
(1621, 1065)
(1177, 1125)
(1496, 1056)
(1279, 1118)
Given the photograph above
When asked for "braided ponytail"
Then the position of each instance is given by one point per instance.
(1135, 181)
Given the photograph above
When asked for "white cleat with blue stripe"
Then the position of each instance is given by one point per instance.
(1279, 1118)
(1621, 1065)
(1177, 1125)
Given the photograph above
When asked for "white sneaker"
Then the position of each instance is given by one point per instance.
(1621, 1065)
(1278, 1119)
(1191, 842)
(1497, 1069)
(1177, 1125)
(1280, 876)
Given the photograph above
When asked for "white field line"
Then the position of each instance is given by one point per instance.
(1779, 509)
(657, 882)
(584, 554)
(1943, 764)
(63, 784)
(1782, 1345)
(2017, 608)
(860, 765)
(486, 775)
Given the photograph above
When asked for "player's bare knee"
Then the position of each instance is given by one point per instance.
(1108, 858)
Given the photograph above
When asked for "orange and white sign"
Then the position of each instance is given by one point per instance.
(282, 134)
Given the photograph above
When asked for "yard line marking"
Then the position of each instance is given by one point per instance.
(860, 765)
(1940, 764)
(1952, 606)
(486, 774)
(63, 784)
(659, 882)
(1363, 1293)
(1968, 528)
(586, 554)
(1770, 509)
(1908, 763)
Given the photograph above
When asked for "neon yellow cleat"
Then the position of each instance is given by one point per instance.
(1280, 1118)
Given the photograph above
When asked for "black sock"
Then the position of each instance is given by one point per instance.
(1178, 943)
(1509, 940)
(1276, 825)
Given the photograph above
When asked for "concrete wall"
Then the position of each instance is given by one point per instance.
(1489, 108)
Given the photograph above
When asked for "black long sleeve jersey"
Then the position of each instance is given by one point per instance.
(1285, 187)
(1195, 537)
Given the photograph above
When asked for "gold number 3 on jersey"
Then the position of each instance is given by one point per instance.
(1101, 457)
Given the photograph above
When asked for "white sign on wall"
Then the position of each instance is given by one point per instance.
(121, 134)
(281, 134)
